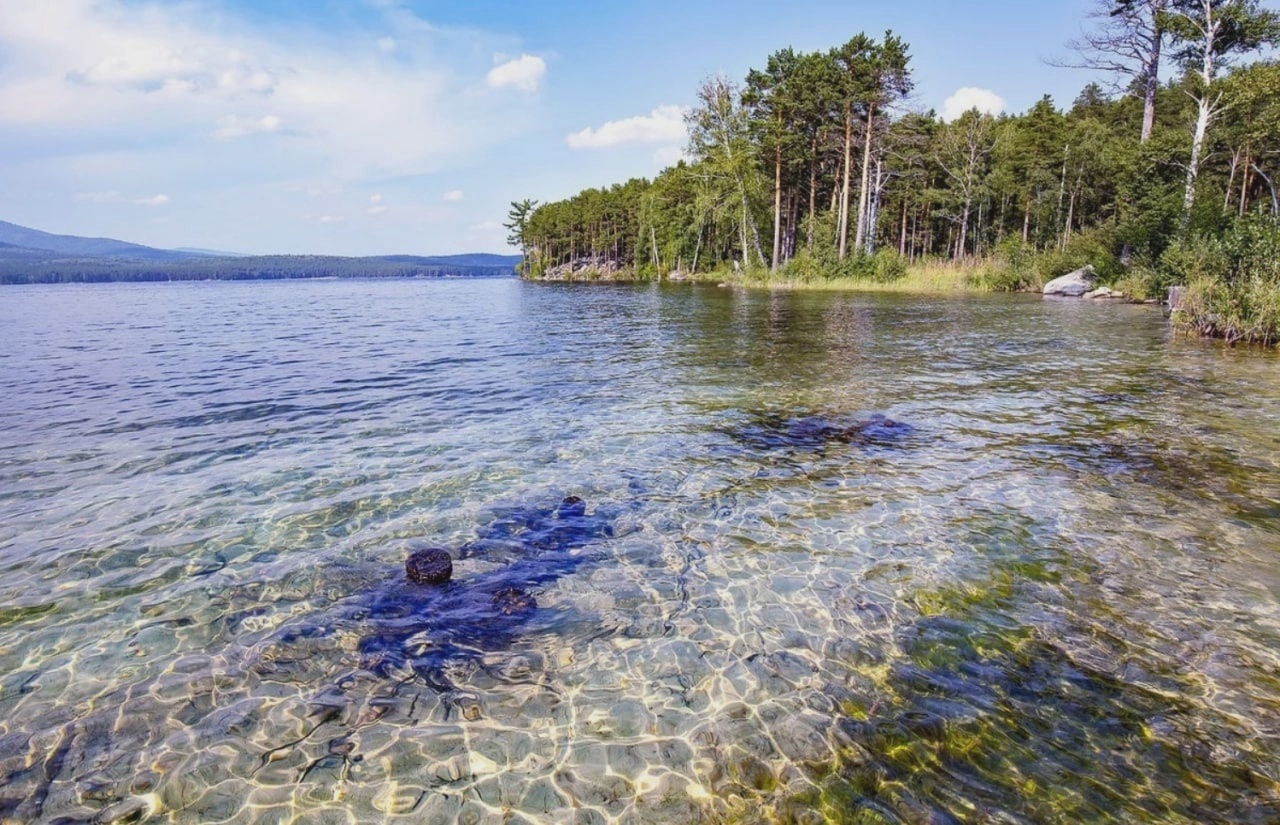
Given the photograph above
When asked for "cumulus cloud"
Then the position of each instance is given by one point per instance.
(454, 196)
(664, 124)
(970, 97)
(524, 73)
(231, 127)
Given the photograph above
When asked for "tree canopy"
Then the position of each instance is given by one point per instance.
(817, 156)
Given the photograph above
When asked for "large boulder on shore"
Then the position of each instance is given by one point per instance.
(1073, 284)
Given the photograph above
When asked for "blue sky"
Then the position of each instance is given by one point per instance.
(388, 126)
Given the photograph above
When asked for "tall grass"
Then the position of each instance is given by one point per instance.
(1233, 282)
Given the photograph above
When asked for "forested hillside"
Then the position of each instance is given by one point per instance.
(22, 266)
(29, 256)
(816, 166)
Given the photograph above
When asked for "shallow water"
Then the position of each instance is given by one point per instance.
(1046, 590)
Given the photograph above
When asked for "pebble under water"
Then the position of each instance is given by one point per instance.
(842, 558)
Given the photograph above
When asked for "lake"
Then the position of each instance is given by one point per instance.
(1044, 588)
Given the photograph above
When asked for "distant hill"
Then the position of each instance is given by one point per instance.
(11, 233)
(29, 256)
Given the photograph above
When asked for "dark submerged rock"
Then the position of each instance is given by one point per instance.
(517, 532)
(430, 565)
(776, 431)
(571, 507)
(419, 631)
(512, 601)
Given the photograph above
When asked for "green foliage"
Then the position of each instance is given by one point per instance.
(805, 268)
(1011, 269)
(887, 266)
(1197, 258)
(1252, 248)
(809, 147)
(1245, 312)
(1144, 282)
(1233, 282)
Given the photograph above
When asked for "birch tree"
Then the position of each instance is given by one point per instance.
(1207, 35)
(773, 103)
(720, 135)
(964, 151)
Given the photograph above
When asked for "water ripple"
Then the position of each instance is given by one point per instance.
(1043, 588)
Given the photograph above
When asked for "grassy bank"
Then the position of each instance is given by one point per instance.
(929, 277)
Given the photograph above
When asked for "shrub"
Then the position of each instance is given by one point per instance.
(1194, 259)
(1233, 284)
(1247, 312)
(887, 266)
(804, 269)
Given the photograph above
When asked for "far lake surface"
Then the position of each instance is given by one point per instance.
(1045, 588)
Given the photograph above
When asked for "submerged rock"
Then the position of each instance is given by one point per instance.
(1073, 284)
(404, 630)
(515, 532)
(431, 565)
(571, 507)
(512, 601)
(810, 432)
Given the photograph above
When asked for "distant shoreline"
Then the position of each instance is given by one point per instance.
(14, 271)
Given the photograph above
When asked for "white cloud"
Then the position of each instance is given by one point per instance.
(376, 206)
(455, 196)
(263, 124)
(524, 73)
(669, 155)
(99, 197)
(970, 97)
(316, 190)
(332, 219)
(113, 196)
(664, 124)
(80, 72)
(231, 127)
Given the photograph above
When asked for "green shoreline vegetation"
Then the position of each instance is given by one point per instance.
(812, 173)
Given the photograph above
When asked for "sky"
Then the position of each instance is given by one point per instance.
(366, 127)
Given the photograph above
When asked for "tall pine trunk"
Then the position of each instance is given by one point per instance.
(813, 198)
(777, 205)
(864, 193)
(844, 189)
